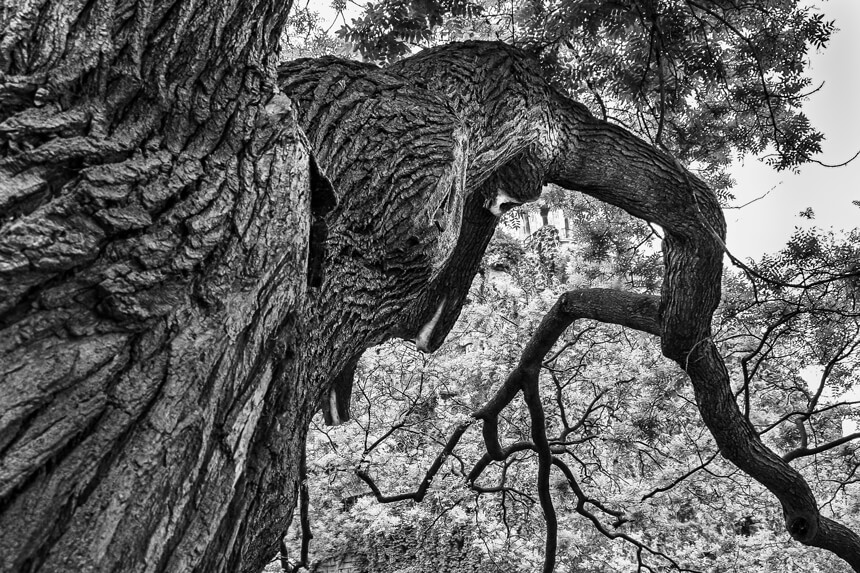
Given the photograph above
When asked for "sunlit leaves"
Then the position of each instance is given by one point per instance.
(390, 29)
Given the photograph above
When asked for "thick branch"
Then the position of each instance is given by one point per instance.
(607, 163)
(804, 451)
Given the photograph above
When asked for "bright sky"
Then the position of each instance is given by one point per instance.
(766, 224)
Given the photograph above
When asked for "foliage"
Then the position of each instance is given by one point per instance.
(545, 243)
(610, 247)
(637, 446)
(387, 29)
(305, 37)
(704, 79)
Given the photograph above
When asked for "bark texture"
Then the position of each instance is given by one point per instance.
(183, 277)
(156, 202)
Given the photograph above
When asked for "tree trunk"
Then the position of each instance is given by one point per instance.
(156, 208)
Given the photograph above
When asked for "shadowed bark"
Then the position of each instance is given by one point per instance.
(156, 204)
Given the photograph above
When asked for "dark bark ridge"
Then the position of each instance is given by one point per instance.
(515, 133)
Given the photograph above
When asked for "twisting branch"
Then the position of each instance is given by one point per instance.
(637, 311)
(788, 415)
(487, 459)
(591, 407)
(531, 393)
(549, 138)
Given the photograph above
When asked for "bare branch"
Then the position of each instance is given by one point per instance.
(418, 494)
(680, 478)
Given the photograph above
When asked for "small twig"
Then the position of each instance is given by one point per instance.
(750, 202)
(680, 478)
(844, 163)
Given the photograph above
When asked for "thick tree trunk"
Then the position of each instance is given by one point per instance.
(156, 207)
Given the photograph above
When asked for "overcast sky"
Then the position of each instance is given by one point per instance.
(766, 224)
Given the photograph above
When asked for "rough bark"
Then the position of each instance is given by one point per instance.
(156, 207)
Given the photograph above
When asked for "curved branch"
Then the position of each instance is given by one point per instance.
(606, 305)
(804, 451)
(609, 164)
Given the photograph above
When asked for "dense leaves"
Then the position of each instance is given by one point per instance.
(387, 30)
(624, 418)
